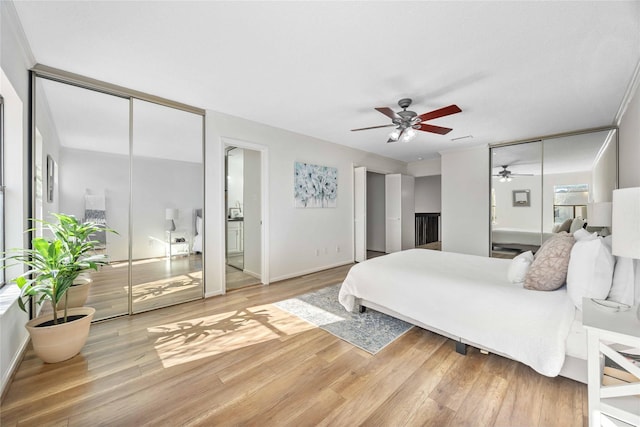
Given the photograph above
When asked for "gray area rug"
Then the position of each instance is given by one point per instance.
(371, 330)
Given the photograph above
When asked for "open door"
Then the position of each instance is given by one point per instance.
(360, 213)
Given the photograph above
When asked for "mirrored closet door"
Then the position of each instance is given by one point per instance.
(105, 156)
(550, 185)
(167, 196)
(81, 168)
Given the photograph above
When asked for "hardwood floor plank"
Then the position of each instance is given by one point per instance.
(373, 392)
(452, 391)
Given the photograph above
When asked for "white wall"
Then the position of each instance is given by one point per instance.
(521, 217)
(629, 140)
(296, 235)
(604, 176)
(465, 201)
(428, 197)
(15, 59)
(425, 167)
(252, 213)
(375, 212)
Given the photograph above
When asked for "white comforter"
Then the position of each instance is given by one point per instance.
(469, 297)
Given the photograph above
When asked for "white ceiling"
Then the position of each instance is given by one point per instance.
(517, 69)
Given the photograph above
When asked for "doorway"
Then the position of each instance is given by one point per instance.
(243, 217)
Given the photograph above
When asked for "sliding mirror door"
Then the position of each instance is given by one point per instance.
(167, 201)
(580, 174)
(81, 168)
(516, 188)
(548, 186)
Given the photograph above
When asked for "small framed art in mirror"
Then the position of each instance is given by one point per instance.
(521, 198)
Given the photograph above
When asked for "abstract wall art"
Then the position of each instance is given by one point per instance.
(315, 186)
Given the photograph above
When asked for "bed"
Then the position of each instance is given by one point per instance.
(515, 238)
(469, 299)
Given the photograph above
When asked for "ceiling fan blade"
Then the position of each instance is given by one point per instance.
(444, 111)
(433, 129)
(388, 112)
(521, 174)
(373, 127)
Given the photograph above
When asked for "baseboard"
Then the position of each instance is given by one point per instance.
(310, 271)
(13, 368)
(213, 294)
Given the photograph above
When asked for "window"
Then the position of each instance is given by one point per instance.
(570, 201)
(2, 275)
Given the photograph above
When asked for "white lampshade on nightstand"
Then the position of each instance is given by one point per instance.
(599, 215)
(170, 216)
(626, 225)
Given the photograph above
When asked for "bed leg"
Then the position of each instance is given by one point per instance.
(461, 348)
(362, 309)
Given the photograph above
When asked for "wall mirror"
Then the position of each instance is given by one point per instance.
(135, 166)
(570, 180)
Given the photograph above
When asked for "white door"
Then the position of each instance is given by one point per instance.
(360, 213)
(393, 212)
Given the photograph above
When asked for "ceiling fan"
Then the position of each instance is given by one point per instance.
(505, 174)
(406, 123)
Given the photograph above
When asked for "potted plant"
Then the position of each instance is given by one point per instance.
(52, 267)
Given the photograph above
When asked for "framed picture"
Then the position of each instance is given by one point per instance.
(234, 212)
(315, 186)
(51, 177)
(521, 198)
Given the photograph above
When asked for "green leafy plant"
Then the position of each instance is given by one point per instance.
(53, 264)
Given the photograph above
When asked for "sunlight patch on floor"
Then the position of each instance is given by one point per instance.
(198, 338)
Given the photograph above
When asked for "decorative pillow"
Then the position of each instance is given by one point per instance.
(519, 267)
(555, 228)
(548, 270)
(590, 271)
(576, 225)
(565, 226)
(622, 287)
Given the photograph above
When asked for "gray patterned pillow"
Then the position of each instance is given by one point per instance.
(548, 270)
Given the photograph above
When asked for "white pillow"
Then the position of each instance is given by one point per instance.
(519, 267)
(581, 235)
(622, 288)
(590, 271)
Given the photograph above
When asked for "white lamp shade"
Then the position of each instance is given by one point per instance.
(171, 213)
(599, 214)
(626, 223)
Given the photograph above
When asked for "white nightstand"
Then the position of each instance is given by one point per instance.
(177, 248)
(615, 404)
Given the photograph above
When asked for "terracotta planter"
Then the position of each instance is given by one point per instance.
(60, 342)
(77, 293)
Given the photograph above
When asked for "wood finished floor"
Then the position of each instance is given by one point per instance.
(238, 360)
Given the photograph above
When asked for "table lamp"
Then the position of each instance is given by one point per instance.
(626, 226)
(599, 215)
(170, 216)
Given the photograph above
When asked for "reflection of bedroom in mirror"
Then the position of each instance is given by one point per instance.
(149, 182)
(570, 180)
(243, 217)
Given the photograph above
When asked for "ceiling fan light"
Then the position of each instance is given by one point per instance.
(409, 134)
(503, 179)
(508, 179)
(394, 135)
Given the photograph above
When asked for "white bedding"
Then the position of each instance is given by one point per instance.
(468, 297)
(197, 243)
